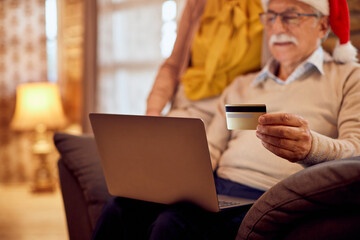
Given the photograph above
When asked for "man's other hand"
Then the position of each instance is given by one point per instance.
(286, 135)
(153, 113)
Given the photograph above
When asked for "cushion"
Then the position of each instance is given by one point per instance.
(79, 154)
(331, 187)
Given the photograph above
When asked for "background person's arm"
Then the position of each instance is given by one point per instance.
(171, 70)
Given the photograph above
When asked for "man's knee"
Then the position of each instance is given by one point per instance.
(177, 223)
(168, 222)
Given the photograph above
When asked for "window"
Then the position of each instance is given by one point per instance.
(168, 31)
(134, 37)
(51, 39)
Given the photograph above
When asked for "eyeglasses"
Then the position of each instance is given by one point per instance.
(287, 18)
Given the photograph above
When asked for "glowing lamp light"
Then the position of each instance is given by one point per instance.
(38, 105)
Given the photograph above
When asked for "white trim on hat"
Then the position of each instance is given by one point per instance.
(320, 5)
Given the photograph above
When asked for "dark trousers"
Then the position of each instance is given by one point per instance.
(124, 218)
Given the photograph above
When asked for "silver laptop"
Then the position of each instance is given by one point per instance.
(158, 159)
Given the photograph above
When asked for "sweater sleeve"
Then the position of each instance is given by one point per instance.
(348, 142)
(217, 133)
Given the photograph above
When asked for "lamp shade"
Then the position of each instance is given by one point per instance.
(38, 104)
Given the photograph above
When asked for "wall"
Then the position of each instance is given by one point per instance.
(22, 59)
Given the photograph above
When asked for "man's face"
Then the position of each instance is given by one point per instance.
(291, 44)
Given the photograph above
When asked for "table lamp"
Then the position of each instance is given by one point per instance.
(38, 108)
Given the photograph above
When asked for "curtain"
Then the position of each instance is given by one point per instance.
(71, 56)
(90, 61)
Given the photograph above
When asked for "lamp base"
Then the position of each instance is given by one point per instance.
(43, 189)
(43, 179)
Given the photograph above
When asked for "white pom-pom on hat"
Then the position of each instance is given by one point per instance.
(345, 53)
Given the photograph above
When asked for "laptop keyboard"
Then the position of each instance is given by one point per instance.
(227, 203)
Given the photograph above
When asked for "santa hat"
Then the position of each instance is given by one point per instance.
(339, 19)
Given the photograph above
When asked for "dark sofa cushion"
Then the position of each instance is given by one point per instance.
(80, 156)
(318, 194)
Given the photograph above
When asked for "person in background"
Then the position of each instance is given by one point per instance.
(217, 40)
(313, 103)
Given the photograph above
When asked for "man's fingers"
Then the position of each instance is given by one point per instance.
(277, 131)
(287, 144)
(287, 119)
(287, 132)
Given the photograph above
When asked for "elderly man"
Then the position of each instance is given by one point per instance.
(313, 102)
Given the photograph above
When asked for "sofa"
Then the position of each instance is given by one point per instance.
(319, 202)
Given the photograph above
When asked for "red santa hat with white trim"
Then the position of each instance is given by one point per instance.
(339, 19)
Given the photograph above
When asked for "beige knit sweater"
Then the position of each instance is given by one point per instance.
(330, 102)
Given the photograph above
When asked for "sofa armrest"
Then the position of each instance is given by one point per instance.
(319, 202)
(82, 182)
(77, 216)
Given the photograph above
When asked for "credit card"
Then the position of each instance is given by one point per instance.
(243, 116)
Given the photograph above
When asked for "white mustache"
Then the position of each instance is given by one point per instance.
(281, 38)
